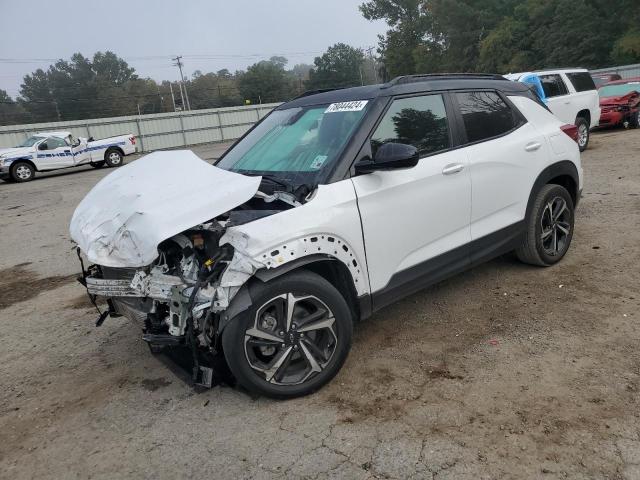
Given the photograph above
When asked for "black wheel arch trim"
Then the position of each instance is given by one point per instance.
(564, 167)
(244, 298)
(268, 274)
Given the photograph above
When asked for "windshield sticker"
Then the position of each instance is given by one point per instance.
(347, 106)
(318, 162)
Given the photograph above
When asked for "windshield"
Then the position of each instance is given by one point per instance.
(297, 143)
(619, 90)
(30, 142)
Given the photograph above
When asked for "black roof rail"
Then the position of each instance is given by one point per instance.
(441, 76)
(316, 91)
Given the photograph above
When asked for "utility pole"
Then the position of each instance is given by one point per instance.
(182, 107)
(173, 99)
(178, 63)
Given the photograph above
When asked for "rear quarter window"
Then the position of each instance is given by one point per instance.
(581, 81)
(553, 85)
(485, 115)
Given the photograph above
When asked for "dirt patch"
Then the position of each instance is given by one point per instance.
(19, 284)
(153, 384)
(81, 302)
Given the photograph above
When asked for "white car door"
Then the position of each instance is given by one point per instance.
(559, 99)
(505, 152)
(54, 152)
(415, 221)
(81, 154)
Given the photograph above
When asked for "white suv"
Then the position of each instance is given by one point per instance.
(333, 206)
(570, 94)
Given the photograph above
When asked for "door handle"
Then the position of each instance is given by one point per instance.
(533, 146)
(452, 168)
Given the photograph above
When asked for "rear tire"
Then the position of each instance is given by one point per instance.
(21, 172)
(583, 133)
(113, 157)
(549, 227)
(292, 340)
(98, 164)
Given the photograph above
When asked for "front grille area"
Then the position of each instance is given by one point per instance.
(135, 309)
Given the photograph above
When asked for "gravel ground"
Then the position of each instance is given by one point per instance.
(506, 371)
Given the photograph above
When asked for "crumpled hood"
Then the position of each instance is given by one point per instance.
(128, 213)
(617, 100)
(12, 152)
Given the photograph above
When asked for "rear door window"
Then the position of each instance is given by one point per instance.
(581, 81)
(418, 121)
(485, 115)
(553, 85)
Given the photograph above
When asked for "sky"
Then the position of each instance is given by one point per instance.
(211, 35)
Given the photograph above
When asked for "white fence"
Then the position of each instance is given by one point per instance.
(625, 71)
(156, 131)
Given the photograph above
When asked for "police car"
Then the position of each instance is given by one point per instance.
(54, 150)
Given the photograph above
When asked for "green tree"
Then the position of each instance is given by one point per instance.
(11, 112)
(339, 66)
(81, 88)
(264, 82)
(410, 23)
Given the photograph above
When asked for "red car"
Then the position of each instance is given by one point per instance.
(620, 103)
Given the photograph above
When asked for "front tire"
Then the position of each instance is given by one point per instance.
(583, 133)
(21, 172)
(549, 227)
(113, 158)
(293, 339)
(635, 119)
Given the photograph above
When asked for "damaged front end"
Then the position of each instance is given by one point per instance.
(175, 285)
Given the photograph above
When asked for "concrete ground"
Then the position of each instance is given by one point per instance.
(503, 372)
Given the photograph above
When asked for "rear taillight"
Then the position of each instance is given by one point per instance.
(571, 131)
(133, 140)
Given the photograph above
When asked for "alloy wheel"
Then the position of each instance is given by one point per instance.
(292, 339)
(23, 172)
(114, 158)
(583, 134)
(556, 226)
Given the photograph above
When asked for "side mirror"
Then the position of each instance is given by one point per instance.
(43, 146)
(390, 156)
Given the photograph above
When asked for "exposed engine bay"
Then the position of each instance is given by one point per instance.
(178, 298)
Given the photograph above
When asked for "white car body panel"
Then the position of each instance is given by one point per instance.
(128, 213)
(561, 147)
(328, 224)
(414, 214)
(502, 174)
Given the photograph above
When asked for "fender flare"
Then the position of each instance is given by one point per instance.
(564, 167)
(244, 298)
(268, 274)
(28, 160)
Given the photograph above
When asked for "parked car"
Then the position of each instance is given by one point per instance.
(54, 150)
(332, 207)
(571, 96)
(601, 78)
(620, 103)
